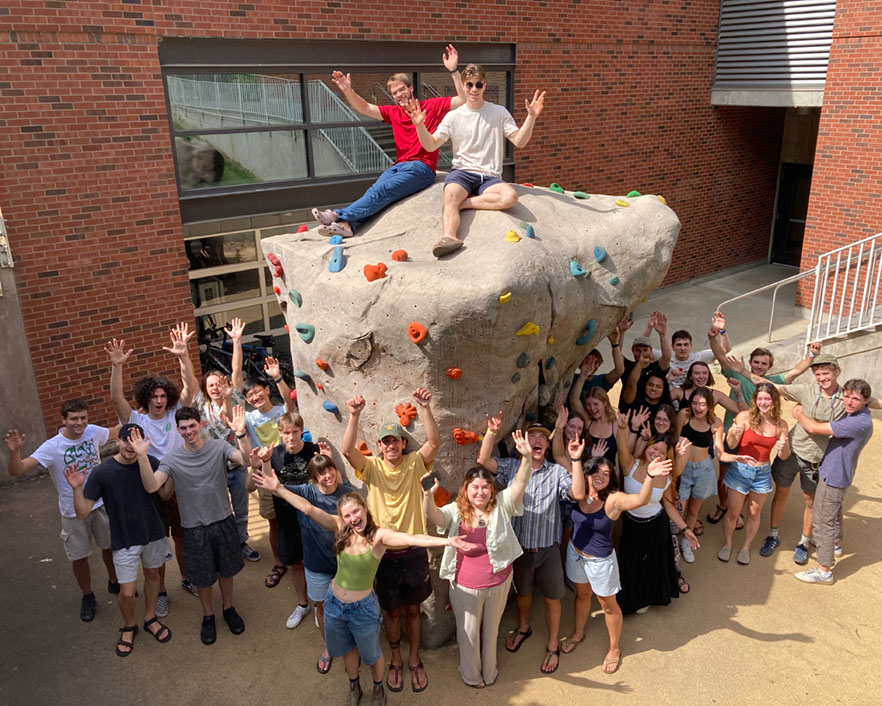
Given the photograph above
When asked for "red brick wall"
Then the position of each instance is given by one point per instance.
(90, 196)
(846, 197)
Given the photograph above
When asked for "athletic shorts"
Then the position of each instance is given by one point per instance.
(472, 182)
(403, 578)
(540, 569)
(601, 572)
(77, 534)
(152, 556)
(211, 551)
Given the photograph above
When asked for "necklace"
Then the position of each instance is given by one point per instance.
(481, 517)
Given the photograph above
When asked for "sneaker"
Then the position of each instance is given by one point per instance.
(641, 611)
(837, 550)
(113, 587)
(87, 608)
(208, 634)
(161, 609)
(250, 553)
(743, 557)
(297, 616)
(800, 554)
(234, 620)
(770, 545)
(686, 551)
(354, 693)
(379, 696)
(725, 553)
(815, 576)
(188, 586)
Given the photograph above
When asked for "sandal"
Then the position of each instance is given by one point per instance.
(739, 523)
(571, 644)
(275, 575)
(683, 585)
(513, 639)
(399, 670)
(323, 665)
(550, 653)
(162, 630)
(414, 672)
(126, 643)
(698, 530)
(614, 663)
(715, 516)
(446, 246)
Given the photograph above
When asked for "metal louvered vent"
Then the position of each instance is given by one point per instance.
(774, 44)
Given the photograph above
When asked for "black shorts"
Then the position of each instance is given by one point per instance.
(540, 569)
(403, 578)
(171, 517)
(289, 545)
(211, 551)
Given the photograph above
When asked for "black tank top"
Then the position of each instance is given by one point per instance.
(699, 439)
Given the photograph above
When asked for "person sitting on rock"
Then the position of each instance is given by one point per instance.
(414, 167)
(476, 130)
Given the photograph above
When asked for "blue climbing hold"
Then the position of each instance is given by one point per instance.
(295, 297)
(336, 239)
(523, 360)
(530, 232)
(306, 435)
(576, 269)
(338, 260)
(302, 375)
(515, 377)
(306, 331)
(530, 417)
(599, 253)
(614, 280)
(590, 328)
(330, 407)
(549, 364)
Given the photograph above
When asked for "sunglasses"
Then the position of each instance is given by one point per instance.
(478, 84)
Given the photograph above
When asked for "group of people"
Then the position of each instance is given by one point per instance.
(537, 513)
(477, 130)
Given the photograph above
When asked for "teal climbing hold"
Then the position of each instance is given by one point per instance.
(614, 280)
(330, 407)
(590, 328)
(556, 187)
(530, 232)
(336, 239)
(515, 377)
(522, 224)
(576, 269)
(632, 194)
(302, 375)
(599, 253)
(306, 331)
(581, 195)
(549, 364)
(523, 360)
(530, 417)
(338, 260)
(295, 297)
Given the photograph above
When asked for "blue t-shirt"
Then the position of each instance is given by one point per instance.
(850, 435)
(318, 542)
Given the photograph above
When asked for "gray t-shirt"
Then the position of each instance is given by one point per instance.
(200, 482)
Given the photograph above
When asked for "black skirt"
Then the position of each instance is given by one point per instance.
(646, 563)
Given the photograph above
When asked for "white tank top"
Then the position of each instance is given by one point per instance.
(653, 507)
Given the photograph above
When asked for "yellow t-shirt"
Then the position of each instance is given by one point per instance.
(395, 496)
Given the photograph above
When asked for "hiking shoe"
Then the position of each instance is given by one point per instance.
(686, 551)
(725, 553)
(354, 693)
(379, 696)
(769, 545)
(837, 550)
(297, 616)
(815, 576)
(208, 634)
(161, 609)
(743, 557)
(250, 553)
(87, 608)
(113, 587)
(234, 620)
(188, 586)
(800, 554)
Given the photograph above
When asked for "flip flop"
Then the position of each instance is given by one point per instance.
(683, 585)
(413, 670)
(335, 229)
(397, 668)
(446, 246)
(573, 644)
(719, 512)
(524, 637)
(607, 661)
(555, 653)
(323, 665)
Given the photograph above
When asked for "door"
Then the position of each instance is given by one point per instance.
(792, 207)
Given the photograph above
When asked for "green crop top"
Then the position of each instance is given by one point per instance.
(355, 572)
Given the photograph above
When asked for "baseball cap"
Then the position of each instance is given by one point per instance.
(642, 341)
(126, 430)
(539, 428)
(390, 429)
(825, 359)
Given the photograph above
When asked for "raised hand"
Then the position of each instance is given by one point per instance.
(355, 405)
(718, 321)
(599, 449)
(180, 335)
(415, 112)
(265, 453)
(651, 321)
(683, 446)
(622, 419)
(430, 493)
(535, 106)
(659, 467)
(235, 329)
(324, 448)
(614, 336)
(341, 80)
(255, 461)
(272, 369)
(640, 417)
(116, 351)
(734, 384)
(736, 364)
(625, 324)
(661, 323)
(237, 423)
(139, 443)
(520, 442)
(225, 388)
(266, 480)
(450, 58)
(645, 432)
(14, 440)
(815, 348)
(494, 424)
(422, 396)
(75, 477)
(562, 417)
(713, 332)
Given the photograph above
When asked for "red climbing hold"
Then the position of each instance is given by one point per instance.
(277, 290)
(416, 331)
(463, 437)
(277, 266)
(293, 395)
(372, 272)
(454, 373)
(323, 364)
(302, 228)
(399, 255)
(528, 184)
(321, 387)
(406, 413)
(287, 329)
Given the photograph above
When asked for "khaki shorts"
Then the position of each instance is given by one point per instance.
(265, 504)
(152, 556)
(77, 534)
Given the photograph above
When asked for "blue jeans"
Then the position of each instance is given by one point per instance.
(350, 625)
(398, 181)
(239, 497)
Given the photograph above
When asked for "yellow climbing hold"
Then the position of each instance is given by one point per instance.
(662, 199)
(504, 297)
(622, 203)
(550, 340)
(528, 329)
(512, 237)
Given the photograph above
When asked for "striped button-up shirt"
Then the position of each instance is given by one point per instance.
(539, 526)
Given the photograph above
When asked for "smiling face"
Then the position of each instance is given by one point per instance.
(474, 88)
(682, 348)
(354, 515)
(75, 423)
(662, 423)
(257, 396)
(401, 93)
(600, 477)
(392, 449)
(158, 403)
(826, 376)
(594, 408)
(326, 480)
(213, 385)
(589, 365)
(538, 446)
(479, 493)
(698, 405)
(700, 375)
(575, 426)
(760, 364)
(654, 388)
(657, 450)
(764, 401)
(190, 430)
(126, 451)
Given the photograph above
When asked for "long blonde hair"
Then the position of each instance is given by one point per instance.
(344, 534)
(774, 414)
(598, 393)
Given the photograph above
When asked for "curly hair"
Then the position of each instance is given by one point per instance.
(466, 512)
(774, 414)
(145, 387)
(344, 534)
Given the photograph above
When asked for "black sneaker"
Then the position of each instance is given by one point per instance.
(113, 587)
(209, 632)
(769, 545)
(234, 620)
(87, 608)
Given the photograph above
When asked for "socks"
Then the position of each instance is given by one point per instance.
(805, 540)
(773, 532)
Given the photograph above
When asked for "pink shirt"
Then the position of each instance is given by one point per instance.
(473, 569)
(407, 143)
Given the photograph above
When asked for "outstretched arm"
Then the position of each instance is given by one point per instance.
(618, 359)
(485, 452)
(519, 484)
(803, 365)
(344, 83)
(433, 436)
(273, 371)
(558, 446)
(235, 331)
(626, 460)
(809, 424)
(433, 512)
(451, 61)
(150, 479)
(271, 483)
(354, 456)
(15, 443)
(180, 337)
(622, 502)
(118, 355)
(390, 538)
(661, 325)
(522, 136)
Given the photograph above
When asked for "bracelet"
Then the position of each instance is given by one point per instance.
(576, 460)
(812, 355)
(491, 433)
(241, 436)
(613, 345)
(278, 380)
(453, 71)
(722, 330)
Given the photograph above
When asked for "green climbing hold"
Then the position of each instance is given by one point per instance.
(556, 188)
(581, 195)
(614, 280)
(523, 360)
(515, 377)
(295, 297)
(306, 331)
(633, 194)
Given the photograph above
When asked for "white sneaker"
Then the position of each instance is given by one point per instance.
(815, 576)
(297, 616)
(686, 551)
(837, 550)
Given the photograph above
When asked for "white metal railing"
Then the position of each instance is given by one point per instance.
(846, 290)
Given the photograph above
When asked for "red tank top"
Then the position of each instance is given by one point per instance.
(756, 445)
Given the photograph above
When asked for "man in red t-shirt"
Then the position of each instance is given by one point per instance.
(414, 168)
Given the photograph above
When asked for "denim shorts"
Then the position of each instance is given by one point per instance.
(317, 584)
(356, 624)
(698, 480)
(746, 479)
(473, 182)
(601, 572)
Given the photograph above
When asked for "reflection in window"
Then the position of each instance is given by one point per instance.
(225, 288)
(221, 250)
(351, 150)
(251, 315)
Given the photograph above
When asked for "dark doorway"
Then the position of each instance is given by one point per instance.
(793, 198)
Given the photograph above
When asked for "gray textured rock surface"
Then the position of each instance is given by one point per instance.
(361, 327)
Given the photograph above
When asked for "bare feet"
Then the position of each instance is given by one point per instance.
(611, 661)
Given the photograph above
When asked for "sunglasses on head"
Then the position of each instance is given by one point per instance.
(477, 84)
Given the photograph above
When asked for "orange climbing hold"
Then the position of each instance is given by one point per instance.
(363, 447)
(372, 272)
(293, 395)
(527, 184)
(323, 364)
(400, 255)
(406, 413)
(463, 437)
(321, 387)
(417, 332)
(277, 291)
(454, 373)
(287, 329)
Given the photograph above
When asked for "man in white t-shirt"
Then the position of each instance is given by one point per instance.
(477, 131)
(75, 447)
(684, 356)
